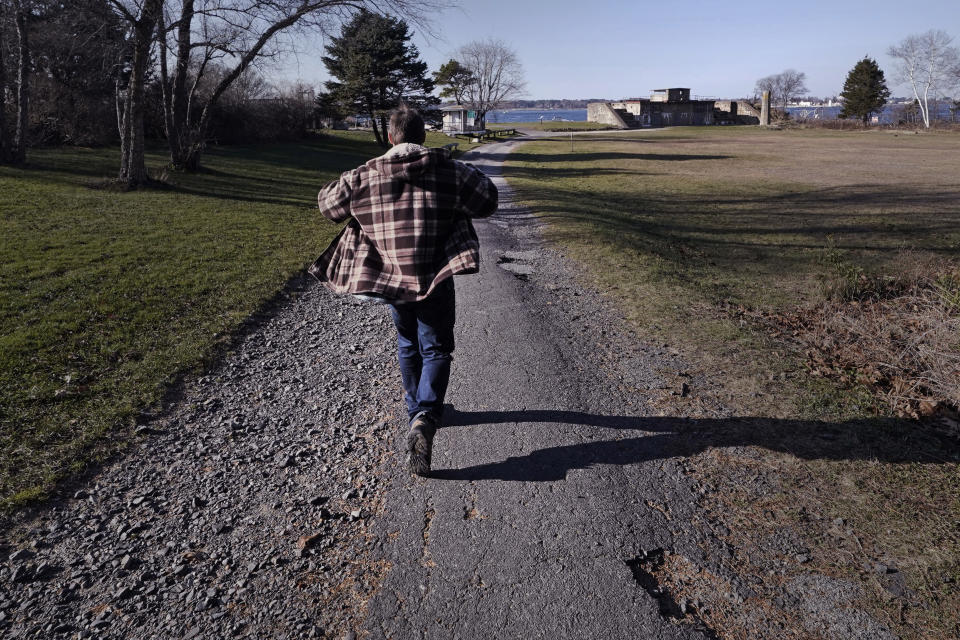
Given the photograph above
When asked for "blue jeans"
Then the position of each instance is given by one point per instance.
(425, 348)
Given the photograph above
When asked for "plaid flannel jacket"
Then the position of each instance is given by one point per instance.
(410, 226)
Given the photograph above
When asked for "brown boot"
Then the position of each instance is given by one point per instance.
(420, 444)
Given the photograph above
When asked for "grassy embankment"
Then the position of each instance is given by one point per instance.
(106, 297)
(699, 231)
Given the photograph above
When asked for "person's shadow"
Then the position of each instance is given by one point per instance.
(883, 439)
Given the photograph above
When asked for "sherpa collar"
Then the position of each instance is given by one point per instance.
(404, 148)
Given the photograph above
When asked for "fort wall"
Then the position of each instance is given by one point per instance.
(604, 113)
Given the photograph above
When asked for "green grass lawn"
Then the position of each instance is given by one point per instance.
(106, 297)
(683, 226)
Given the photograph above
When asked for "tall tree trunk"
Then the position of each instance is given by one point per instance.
(118, 103)
(384, 131)
(381, 140)
(176, 102)
(195, 139)
(169, 126)
(4, 132)
(133, 167)
(125, 129)
(19, 150)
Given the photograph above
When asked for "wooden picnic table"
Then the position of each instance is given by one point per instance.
(485, 134)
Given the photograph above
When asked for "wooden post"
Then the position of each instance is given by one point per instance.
(765, 110)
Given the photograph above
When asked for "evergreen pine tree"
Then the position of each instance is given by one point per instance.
(865, 91)
(376, 67)
(454, 78)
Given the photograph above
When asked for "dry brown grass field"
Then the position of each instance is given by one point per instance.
(812, 277)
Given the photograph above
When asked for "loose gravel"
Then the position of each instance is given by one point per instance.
(243, 511)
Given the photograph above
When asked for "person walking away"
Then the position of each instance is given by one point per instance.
(409, 233)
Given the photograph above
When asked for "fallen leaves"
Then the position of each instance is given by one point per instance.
(305, 542)
(905, 347)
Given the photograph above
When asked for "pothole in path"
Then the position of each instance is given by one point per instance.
(644, 569)
(518, 263)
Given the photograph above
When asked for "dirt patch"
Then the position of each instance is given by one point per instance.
(870, 534)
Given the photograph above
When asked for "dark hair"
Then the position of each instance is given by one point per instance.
(406, 125)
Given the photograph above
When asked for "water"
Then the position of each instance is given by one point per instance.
(890, 114)
(533, 115)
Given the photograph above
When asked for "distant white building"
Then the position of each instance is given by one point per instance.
(458, 119)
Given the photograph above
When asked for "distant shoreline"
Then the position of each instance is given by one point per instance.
(532, 109)
(524, 114)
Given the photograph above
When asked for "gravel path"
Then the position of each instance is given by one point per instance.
(271, 499)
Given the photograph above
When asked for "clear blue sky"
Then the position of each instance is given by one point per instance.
(600, 48)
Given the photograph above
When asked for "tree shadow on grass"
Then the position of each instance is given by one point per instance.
(886, 440)
(256, 191)
(277, 174)
(319, 152)
(862, 217)
(65, 165)
(573, 156)
(575, 172)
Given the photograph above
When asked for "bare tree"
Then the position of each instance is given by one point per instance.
(177, 98)
(497, 75)
(793, 84)
(4, 132)
(141, 17)
(239, 30)
(19, 151)
(13, 147)
(784, 87)
(248, 87)
(928, 64)
(239, 34)
(74, 49)
(767, 84)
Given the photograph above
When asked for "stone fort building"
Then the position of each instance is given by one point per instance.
(671, 108)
